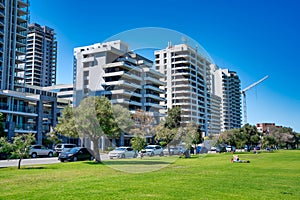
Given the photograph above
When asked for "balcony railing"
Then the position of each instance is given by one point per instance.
(25, 127)
(26, 109)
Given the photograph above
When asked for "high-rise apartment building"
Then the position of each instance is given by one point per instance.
(125, 77)
(41, 56)
(25, 110)
(13, 30)
(227, 85)
(187, 83)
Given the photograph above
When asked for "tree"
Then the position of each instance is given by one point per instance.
(123, 118)
(143, 123)
(233, 137)
(66, 124)
(283, 136)
(173, 118)
(250, 134)
(138, 143)
(167, 130)
(2, 133)
(19, 147)
(190, 136)
(94, 119)
(52, 139)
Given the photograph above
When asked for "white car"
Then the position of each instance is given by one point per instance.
(152, 150)
(174, 150)
(122, 152)
(39, 150)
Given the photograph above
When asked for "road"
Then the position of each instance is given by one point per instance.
(36, 161)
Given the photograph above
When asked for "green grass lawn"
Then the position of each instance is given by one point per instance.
(268, 176)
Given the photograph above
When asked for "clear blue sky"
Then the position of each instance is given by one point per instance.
(252, 37)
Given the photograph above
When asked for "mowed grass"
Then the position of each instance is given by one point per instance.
(268, 176)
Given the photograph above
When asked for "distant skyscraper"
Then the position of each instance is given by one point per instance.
(13, 30)
(227, 85)
(41, 56)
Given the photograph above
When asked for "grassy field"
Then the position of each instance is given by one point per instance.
(268, 176)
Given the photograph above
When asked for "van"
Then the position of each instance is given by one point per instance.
(63, 147)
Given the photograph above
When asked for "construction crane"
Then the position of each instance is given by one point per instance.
(244, 96)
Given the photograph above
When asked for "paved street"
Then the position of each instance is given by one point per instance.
(35, 161)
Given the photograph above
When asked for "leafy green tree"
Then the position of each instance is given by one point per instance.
(173, 117)
(123, 118)
(138, 143)
(19, 147)
(190, 136)
(94, 119)
(66, 123)
(251, 135)
(167, 130)
(284, 137)
(52, 139)
(2, 133)
(233, 137)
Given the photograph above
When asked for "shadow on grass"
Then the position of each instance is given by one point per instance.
(32, 167)
(129, 162)
(136, 162)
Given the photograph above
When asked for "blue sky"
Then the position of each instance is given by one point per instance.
(252, 37)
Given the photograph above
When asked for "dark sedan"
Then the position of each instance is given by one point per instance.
(76, 153)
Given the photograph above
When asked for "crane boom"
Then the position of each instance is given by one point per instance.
(244, 96)
(254, 84)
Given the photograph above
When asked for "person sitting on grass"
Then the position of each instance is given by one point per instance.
(237, 159)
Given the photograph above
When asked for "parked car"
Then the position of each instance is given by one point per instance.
(63, 147)
(76, 153)
(152, 150)
(221, 149)
(39, 150)
(173, 150)
(213, 149)
(123, 152)
(230, 148)
(3, 156)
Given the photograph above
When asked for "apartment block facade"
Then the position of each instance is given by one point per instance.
(25, 110)
(126, 78)
(41, 56)
(227, 85)
(187, 77)
(13, 31)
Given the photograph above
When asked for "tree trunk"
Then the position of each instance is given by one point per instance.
(19, 163)
(169, 151)
(96, 150)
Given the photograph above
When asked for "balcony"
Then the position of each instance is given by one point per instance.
(23, 3)
(25, 127)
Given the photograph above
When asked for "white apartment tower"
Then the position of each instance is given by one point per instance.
(41, 56)
(227, 85)
(126, 78)
(112, 70)
(187, 83)
(13, 30)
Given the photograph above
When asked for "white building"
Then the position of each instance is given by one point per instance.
(215, 126)
(187, 83)
(112, 70)
(227, 85)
